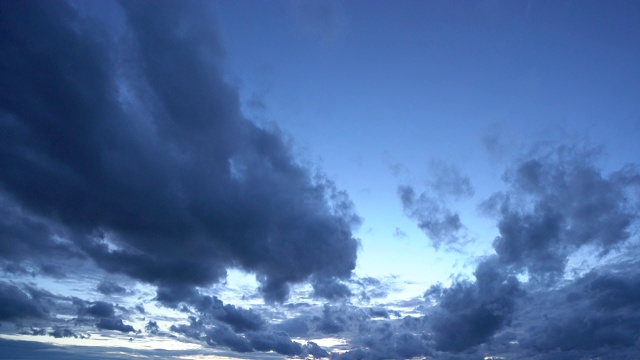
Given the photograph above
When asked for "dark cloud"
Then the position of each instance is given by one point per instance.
(296, 327)
(469, 313)
(274, 341)
(114, 324)
(122, 138)
(388, 340)
(224, 336)
(329, 288)
(16, 303)
(111, 288)
(558, 202)
(239, 319)
(600, 310)
(152, 327)
(100, 309)
(332, 321)
(62, 332)
(314, 350)
(219, 334)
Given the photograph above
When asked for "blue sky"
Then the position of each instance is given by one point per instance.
(353, 180)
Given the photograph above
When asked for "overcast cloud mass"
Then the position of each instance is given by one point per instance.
(152, 203)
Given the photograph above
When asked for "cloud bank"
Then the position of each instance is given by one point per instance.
(123, 143)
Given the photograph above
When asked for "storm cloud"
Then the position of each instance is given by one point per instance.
(120, 136)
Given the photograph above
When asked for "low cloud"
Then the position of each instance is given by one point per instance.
(17, 303)
(168, 189)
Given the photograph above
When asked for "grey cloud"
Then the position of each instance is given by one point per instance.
(296, 327)
(431, 208)
(222, 335)
(439, 223)
(314, 350)
(62, 332)
(558, 202)
(274, 341)
(469, 313)
(16, 303)
(388, 340)
(111, 288)
(152, 327)
(219, 334)
(598, 311)
(114, 324)
(239, 319)
(100, 309)
(129, 144)
(329, 288)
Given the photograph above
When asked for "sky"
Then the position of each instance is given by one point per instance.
(319, 179)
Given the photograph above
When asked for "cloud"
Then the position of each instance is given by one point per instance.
(62, 332)
(600, 310)
(558, 202)
(111, 288)
(274, 341)
(16, 303)
(469, 313)
(439, 223)
(100, 309)
(122, 138)
(431, 209)
(239, 319)
(114, 324)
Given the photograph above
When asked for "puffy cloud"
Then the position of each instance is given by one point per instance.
(600, 310)
(114, 324)
(239, 319)
(16, 303)
(469, 313)
(122, 138)
(152, 327)
(559, 201)
(100, 309)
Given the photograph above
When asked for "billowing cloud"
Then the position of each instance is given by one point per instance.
(121, 138)
(16, 303)
(469, 313)
(558, 202)
(597, 311)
